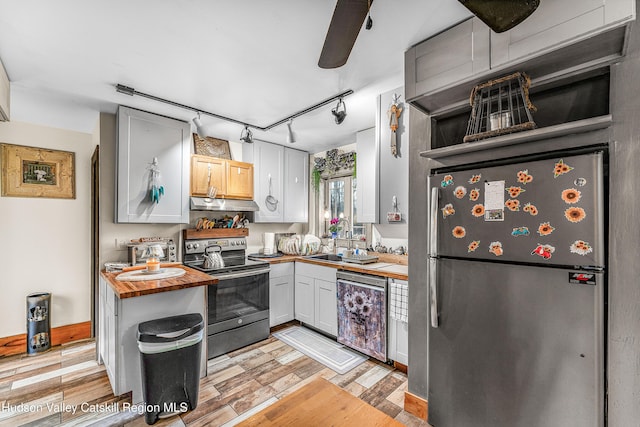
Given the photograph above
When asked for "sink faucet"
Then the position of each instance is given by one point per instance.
(347, 230)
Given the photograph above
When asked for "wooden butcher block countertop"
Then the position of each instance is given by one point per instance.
(387, 268)
(129, 289)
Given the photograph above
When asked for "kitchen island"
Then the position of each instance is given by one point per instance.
(124, 304)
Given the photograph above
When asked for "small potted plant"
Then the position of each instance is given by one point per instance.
(333, 227)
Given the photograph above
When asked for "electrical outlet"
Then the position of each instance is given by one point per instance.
(121, 244)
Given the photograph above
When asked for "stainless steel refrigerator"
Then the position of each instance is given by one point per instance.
(517, 283)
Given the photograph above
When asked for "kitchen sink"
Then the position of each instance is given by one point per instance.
(326, 257)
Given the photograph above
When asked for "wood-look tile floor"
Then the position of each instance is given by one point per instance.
(44, 390)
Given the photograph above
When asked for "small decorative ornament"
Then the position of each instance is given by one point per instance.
(156, 191)
(394, 116)
(580, 182)
(561, 168)
(496, 248)
(580, 247)
(448, 210)
(474, 194)
(473, 246)
(446, 181)
(460, 192)
(543, 251)
(520, 231)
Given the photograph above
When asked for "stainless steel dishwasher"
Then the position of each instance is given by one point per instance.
(362, 313)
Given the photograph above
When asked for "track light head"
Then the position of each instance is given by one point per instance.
(340, 112)
(199, 127)
(246, 135)
(291, 137)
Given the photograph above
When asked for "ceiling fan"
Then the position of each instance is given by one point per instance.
(349, 15)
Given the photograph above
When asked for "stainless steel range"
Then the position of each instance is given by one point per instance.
(238, 306)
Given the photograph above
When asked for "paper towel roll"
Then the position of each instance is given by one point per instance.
(269, 243)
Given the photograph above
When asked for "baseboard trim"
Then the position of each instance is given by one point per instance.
(401, 367)
(416, 405)
(17, 344)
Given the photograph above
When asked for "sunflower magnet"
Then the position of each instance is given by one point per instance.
(520, 231)
(575, 214)
(543, 251)
(478, 210)
(460, 192)
(446, 181)
(513, 205)
(561, 168)
(459, 232)
(448, 210)
(524, 177)
(514, 191)
(545, 229)
(496, 248)
(473, 246)
(571, 196)
(475, 179)
(474, 194)
(580, 247)
(531, 209)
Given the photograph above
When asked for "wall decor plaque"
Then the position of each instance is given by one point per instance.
(37, 172)
(210, 146)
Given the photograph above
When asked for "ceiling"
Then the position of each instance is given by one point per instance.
(254, 61)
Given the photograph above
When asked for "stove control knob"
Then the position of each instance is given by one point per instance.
(189, 246)
(196, 245)
(239, 321)
(233, 243)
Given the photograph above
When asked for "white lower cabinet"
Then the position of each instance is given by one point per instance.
(398, 345)
(119, 319)
(315, 297)
(281, 285)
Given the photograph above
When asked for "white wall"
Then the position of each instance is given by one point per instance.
(46, 243)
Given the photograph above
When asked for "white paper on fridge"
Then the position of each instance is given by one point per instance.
(494, 201)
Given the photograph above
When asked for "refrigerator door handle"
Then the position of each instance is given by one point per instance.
(433, 291)
(433, 241)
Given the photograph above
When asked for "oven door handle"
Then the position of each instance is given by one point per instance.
(241, 274)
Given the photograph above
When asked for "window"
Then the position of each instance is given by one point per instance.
(340, 197)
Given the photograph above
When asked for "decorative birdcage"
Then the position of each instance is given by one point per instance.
(499, 107)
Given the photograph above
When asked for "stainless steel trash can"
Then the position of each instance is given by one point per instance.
(170, 350)
(38, 322)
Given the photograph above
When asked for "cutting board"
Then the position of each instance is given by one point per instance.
(166, 273)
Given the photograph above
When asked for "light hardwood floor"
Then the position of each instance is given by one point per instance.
(44, 390)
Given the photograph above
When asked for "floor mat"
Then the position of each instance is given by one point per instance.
(320, 348)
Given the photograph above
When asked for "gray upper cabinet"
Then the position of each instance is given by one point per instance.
(281, 182)
(296, 185)
(447, 58)
(142, 137)
(558, 23)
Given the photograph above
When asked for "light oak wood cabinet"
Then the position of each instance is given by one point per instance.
(232, 179)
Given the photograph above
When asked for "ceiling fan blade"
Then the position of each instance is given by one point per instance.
(345, 25)
(501, 15)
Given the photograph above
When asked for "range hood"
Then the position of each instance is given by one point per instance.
(207, 204)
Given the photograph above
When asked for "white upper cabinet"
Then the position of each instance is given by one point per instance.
(296, 185)
(558, 23)
(143, 137)
(367, 167)
(447, 58)
(281, 181)
(5, 95)
(268, 167)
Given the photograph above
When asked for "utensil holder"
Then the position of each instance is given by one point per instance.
(38, 322)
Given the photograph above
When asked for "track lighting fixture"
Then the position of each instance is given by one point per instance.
(246, 135)
(291, 137)
(340, 112)
(199, 127)
(369, 23)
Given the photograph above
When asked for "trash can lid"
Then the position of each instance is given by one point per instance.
(170, 329)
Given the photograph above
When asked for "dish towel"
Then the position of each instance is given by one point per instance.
(399, 305)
